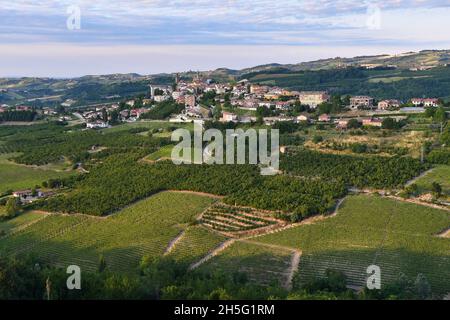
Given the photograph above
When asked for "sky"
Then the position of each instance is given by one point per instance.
(68, 38)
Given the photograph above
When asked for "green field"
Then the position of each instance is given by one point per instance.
(145, 228)
(162, 153)
(14, 176)
(262, 264)
(21, 221)
(397, 236)
(150, 125)
(195, 243)
(440, 174)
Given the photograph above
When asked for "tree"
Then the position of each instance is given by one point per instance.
(440, 116)
(437, 189)
(422, 286)
(114, 116)
(324, 108)
(217, 113)
(429, 112)
(353, 124)
(12, 207)
(317, 139)
(389, 123)
(104, 115)
(101, 264)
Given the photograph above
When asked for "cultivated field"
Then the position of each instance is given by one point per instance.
(10, 226)
(150, 125)
(262, 264)
(397, 236)
(145, 228)
(440, 174)
(14, 176)
(193, 244)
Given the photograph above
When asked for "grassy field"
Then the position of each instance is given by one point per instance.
(441, 175)
(397, 236)
(145, 228)
(14, 176)
(150, 125)
(163, 153)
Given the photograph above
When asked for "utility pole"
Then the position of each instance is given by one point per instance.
(422, 154)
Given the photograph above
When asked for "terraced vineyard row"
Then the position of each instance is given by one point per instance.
(229, 219)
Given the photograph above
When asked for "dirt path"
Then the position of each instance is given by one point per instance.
(444, 234)
(426, 204)
(174, 242)
(295, 261)
(423, 174)
(212, 254)
(204, 194)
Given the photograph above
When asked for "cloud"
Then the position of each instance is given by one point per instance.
(256, 26)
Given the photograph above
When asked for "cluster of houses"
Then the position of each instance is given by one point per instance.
(247, 96)
(29, 196)
(95, 118)
(242, 95)
(339, 122)
(5, 108)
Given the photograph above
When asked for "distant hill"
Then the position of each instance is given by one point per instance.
(402, 76)
(409, 60)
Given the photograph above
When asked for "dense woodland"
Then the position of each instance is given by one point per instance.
(121, 180)
(357, 171)
(50, 143)
(12, 116)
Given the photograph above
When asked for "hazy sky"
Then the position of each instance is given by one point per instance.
(41, 38)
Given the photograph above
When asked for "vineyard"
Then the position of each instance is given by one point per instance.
(194, 243)
(261, 264)
(397, 236)
(143, 229)
(439, 174)
(236, 220)
(10, 226)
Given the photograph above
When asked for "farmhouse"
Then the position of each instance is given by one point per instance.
(361, 102)
(23, 108)
(313, 98)
(161, 98)
(342, 123)
(138, 112)
(425, 102)
(324, 118)
(303, 118)
(97, 125)
(229, 117)
(258, 90)
(386, 104)
(28, 196)
(372, 122)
